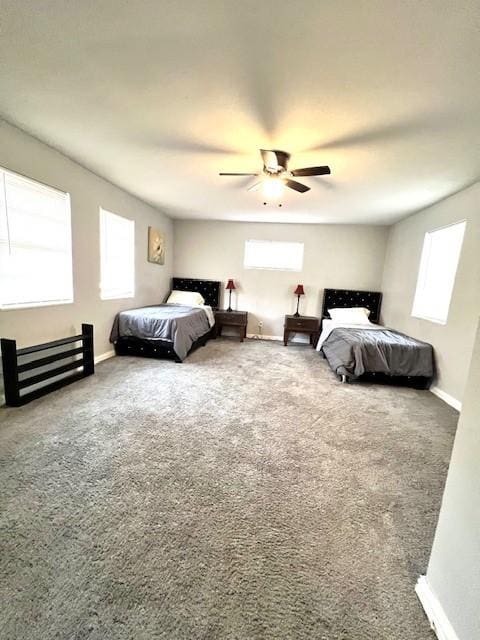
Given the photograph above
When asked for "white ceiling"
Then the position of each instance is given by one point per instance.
(159, 96)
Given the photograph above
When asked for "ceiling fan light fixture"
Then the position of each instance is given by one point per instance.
(276, 176)
(273, 188)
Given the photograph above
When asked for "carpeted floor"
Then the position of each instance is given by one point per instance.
(244, 494)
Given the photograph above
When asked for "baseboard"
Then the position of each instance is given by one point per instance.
(104, 356)
(277, 338)
(446, 397)
(434, 611)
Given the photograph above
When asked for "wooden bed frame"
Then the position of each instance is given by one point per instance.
(372, 300)
(209, 289)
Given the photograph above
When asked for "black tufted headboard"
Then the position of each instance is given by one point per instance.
(344, 298)
(209, 289)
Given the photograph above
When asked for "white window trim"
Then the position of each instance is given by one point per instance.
(114, 296)
(417, 316)
(32, 305)
(423, 259)
(44, 303)
(122, 296)
(273, 269)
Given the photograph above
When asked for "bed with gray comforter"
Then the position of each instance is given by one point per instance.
(179, 325)
(355, 352)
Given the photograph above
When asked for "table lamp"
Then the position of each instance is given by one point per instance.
(298, 292)
(230, 287)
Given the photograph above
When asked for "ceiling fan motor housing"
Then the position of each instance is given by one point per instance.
(274, 161)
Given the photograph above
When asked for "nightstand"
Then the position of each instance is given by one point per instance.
(237, 319)
(302, 324)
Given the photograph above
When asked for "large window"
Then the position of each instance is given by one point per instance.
(438, 268)
(35, 243)
(268, 254)
(117, 263)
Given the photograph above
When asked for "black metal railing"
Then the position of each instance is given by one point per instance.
(14, 366)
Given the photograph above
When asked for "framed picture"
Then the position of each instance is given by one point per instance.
(156, 246)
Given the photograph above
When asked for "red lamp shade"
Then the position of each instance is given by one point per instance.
(299, 290)
(230, 285)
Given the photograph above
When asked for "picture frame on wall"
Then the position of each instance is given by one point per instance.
(156, 246)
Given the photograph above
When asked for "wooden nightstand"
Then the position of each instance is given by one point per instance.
(238, 319)
(302, 324)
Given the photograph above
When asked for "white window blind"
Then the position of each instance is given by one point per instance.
(269, 254)
(35, 243)
(438, 268)
(117, 263)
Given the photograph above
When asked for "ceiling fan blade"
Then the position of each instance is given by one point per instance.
(255, 186)
(297, 186)
(238, 174)
(312, 171)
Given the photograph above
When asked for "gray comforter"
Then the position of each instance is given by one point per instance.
(353, 352)
(175, 323)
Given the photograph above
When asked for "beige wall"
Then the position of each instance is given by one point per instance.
(453, 572)
(24, 154)
(453, 342)
(335, 256)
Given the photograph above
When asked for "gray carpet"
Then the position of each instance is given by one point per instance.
(243, 494)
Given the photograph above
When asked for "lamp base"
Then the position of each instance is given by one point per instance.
(229, 300)
(296, 314)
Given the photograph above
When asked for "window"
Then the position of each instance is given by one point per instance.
(268, 254)
(117, 262)
(35, 244)
(436, 277)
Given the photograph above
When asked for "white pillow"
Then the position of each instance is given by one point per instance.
(352, 315)
(190, 298)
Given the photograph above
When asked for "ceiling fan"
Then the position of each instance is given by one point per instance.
(276, 175)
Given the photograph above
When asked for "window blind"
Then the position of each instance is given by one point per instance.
(438, 268)
(117, 248)
(270, 254)
(35, 243)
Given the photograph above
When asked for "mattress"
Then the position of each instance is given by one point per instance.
(355, 350)
(179, 324)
